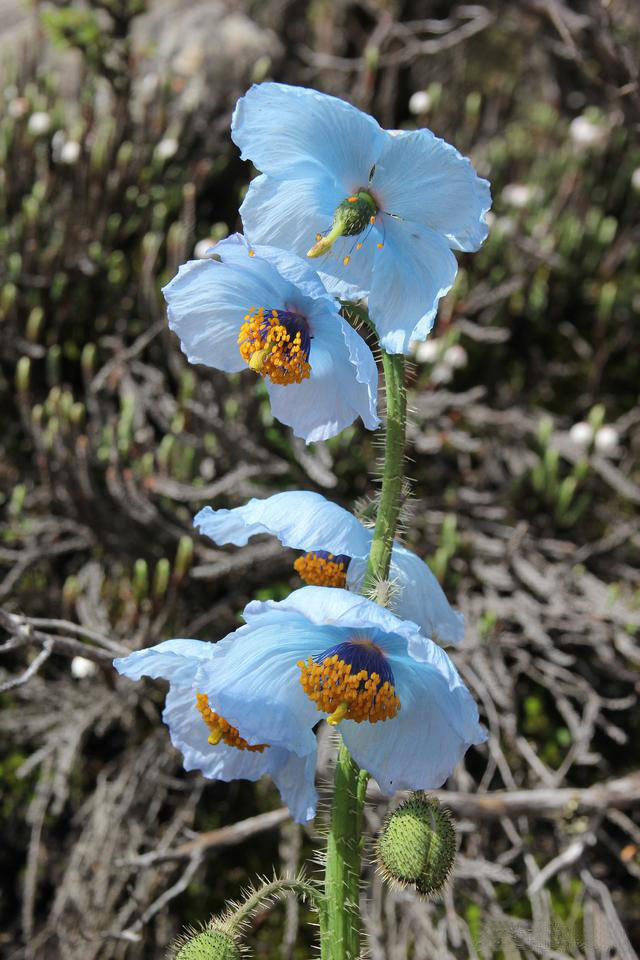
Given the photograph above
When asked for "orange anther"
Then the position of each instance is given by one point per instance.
(336, 691)
(318, 572)
(221, 730)
(267, 347)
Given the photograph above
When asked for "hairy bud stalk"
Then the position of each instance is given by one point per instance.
(391, 494)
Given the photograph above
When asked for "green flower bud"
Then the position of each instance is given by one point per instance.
(208, 945)
(417, 845)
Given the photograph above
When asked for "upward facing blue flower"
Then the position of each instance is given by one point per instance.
(336, 548)
(381, 211)
(265, 309)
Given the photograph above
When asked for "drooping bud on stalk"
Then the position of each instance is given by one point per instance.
(417, 845)
(351, 217)
(208, 945)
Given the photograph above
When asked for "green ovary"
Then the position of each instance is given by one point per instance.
(351, 217)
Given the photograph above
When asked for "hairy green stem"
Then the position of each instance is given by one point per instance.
(344, 851)
(392, 471)
(340, 926)
(275, 888)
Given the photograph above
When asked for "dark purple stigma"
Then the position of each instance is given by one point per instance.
(332, 557)
(361, 656)
(292, 322)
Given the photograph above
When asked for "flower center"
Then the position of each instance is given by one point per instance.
(276, 343)
(351, 681)
(221, 730)
(322, 569)
(351, 217)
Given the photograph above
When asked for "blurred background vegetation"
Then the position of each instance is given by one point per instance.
(115, 166)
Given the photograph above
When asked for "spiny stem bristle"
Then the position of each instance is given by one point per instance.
(383, 591)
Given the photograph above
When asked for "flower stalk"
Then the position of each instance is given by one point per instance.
(274, 889)
(341, 938)
(341, 931)
(392, 471)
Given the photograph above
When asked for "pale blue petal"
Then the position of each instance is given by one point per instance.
(188, 731)
(419, 596)
(237, 251)
(290, 132)
(423, 599)
(233, 249)
(364, 392)
(421, 178)
(298, 272)
(415, 268)
(175, 660)
(293, 775)
(340, 608)
(346, 290)
(332, 397)
(419, 748)
(254, 681)
(290, 279)
(207, 302)
(298, 518)
(352, 269)
(289, 213)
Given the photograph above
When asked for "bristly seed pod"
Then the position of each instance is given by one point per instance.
(207, 945)
(417, 845)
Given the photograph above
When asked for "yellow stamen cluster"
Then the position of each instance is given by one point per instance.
(221, 730)
(268, 348)
(346, 696)
(318, 572)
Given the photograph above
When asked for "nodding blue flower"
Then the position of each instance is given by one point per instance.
(207, 741)
(402, 708)
(381, 211)
(336, 546)
(263, 308)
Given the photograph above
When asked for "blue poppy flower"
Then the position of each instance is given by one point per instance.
(402, 708)
(336, 546)
(385, 209)
(266, 309)
(206, 740)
